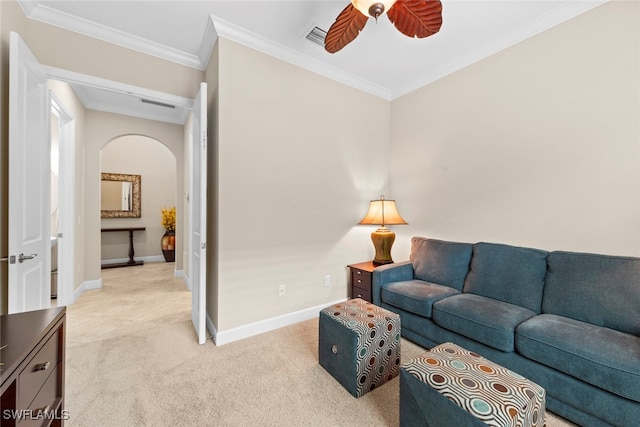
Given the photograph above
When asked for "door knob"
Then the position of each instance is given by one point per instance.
(23, 257)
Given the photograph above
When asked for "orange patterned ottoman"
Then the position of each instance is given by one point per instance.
(451, 386)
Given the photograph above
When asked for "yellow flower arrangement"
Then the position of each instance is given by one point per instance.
(169, 218)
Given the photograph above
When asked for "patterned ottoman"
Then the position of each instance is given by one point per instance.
(451, 386)
(359, 345)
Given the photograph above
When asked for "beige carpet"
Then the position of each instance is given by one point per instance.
(133, 360)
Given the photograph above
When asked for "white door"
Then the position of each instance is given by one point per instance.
(29, 169)
(199, 215)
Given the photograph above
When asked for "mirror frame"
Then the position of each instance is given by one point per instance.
(135, 199)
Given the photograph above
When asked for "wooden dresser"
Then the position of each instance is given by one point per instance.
(32, 374)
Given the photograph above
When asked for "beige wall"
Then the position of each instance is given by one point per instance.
(213, 112)
(538, 145)
(86, 55)
(299, 156)
(101, 129)
(156, 165)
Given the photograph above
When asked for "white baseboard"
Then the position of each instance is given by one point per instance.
(86, 286)
(256, 328)
(180, 274)
(153, 258)
(212, 329)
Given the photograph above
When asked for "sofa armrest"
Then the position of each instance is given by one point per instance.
(387, 273)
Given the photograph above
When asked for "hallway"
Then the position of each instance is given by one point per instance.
(132, 299)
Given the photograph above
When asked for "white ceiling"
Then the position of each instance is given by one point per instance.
(381, 61)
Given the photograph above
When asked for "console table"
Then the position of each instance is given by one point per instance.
(131, 261)
(32, 374)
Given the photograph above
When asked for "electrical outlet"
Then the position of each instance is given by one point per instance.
(327, 280)
(282, 290)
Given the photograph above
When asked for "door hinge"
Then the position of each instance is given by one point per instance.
(203, 245)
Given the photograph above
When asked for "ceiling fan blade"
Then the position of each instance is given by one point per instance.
(346, 28)
(416, 18)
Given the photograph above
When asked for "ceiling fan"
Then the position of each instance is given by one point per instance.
(413, 18)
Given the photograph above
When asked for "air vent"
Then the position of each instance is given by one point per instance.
(160, 104)
(317, 35)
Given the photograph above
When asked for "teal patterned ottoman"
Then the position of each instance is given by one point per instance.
(359, 345)
(451, 386)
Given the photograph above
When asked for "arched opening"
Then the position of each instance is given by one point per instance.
(156, 165)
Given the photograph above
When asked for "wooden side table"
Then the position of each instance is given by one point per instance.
(131, 262)
(361, 277)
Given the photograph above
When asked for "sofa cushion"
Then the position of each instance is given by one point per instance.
(508, 273)
(486, 320)
(600, 356)
(415, 296)
(599, 289)
(441, 262)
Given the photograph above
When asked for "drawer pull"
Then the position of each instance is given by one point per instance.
(43, 366)
(358, 272)
(41, 411)
(359, 295)
(359, 281)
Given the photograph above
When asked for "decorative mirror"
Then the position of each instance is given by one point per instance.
(120, 196)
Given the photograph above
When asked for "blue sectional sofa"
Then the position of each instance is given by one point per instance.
(568, 321)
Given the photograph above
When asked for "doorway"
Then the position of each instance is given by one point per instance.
(62, 212)
(155, 163)
(23, 64)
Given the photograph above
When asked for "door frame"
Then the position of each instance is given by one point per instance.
(70, 294)
(66, 200)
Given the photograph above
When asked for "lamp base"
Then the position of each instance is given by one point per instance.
(383, 239)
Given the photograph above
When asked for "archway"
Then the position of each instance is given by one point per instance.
(156, 164)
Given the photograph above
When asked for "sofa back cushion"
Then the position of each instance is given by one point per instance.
(508, 273)
(599, 289)
(440, 262)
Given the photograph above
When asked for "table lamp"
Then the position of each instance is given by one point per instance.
(383, 212)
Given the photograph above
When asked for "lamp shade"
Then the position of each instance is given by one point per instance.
(382, 212)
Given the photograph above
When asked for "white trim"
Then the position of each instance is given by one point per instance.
(218, 27)
(555, 17)
(114, 86)
(87, 285)
(39, 12)
(212, 329)
(180, 274)
(152, 258)
(66, 199)
(208, 42)
(246, 331)
(240, 35)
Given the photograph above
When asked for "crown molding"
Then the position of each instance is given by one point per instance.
(240, 35)
(555, 17)
(36, 10)
(208, 42)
